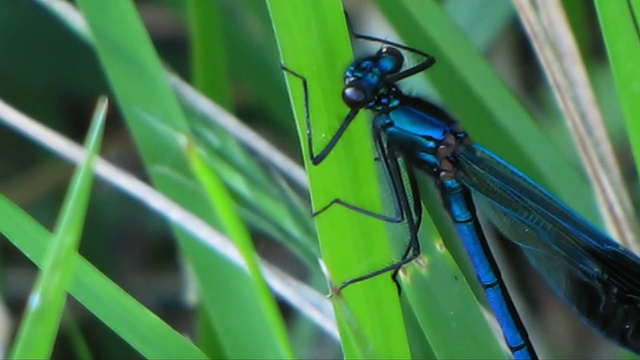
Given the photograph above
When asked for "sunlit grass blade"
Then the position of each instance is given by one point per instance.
(352, 244)
(41, 319)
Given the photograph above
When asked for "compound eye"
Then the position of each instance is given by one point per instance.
(390, 60)
(354, 97)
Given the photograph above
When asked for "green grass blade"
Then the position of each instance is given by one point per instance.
(158, 126)
(620, 21)
(38, 330)
(211, 73)
(78, 340)
(310, 303)
(138, 326)
(225, 209)
(222, 134)
(313, 42)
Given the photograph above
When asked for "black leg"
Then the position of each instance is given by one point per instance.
(422, 66)
(394, 174)
(316, 159)
(412, 249)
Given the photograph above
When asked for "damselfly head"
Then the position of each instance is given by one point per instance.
(365, 79)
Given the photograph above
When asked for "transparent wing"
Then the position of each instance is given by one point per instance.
(595, 276)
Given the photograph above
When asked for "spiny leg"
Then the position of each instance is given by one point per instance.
(412, 250)
(421, 66)
(318, 158)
